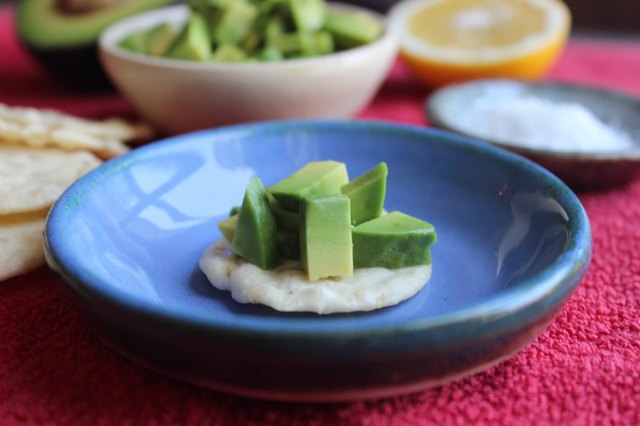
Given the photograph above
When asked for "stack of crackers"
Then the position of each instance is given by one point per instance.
(42, 153)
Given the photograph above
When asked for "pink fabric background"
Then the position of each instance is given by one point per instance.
(584, 370)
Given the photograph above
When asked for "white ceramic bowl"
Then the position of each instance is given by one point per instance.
(180, 96)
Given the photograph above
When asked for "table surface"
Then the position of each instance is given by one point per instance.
(585, 369)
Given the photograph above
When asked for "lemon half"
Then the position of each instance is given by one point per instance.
(445, 41)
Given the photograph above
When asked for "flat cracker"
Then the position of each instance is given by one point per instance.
(33, 179)
(21, 243)
(47, 128)
(288, 289)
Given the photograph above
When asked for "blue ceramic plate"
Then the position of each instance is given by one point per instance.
(513, 244)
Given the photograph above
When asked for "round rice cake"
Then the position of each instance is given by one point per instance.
(288, 289)
(33, 179)
(21, 243)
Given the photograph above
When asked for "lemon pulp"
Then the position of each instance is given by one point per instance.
(450, 40)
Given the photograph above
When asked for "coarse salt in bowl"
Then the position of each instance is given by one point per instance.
(589, 137)
(180, 95)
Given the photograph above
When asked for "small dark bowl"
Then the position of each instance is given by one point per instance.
(579, 169)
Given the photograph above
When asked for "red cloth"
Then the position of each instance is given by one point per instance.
(584, 370)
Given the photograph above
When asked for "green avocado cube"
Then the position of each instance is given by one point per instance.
(315, 178)
(270, 54)
(315, 44)
(352, 29)
(134, 42)
(308, 15)
(393, 241)
(288, 244)
(326, 249)
(228, 227)
(286, 219)
(193, 42)
(255, 237)
(228, 53)
(234, 22)
(286, 43)
(159, 39)
(367, 193)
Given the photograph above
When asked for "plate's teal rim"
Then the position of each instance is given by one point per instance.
(552, 286)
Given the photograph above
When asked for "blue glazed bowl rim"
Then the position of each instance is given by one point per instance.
(557, 281)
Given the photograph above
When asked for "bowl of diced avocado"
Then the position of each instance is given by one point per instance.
(211, 63)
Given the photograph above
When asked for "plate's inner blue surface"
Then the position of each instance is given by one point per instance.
(137, 227)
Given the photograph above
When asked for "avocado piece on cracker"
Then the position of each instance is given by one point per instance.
(325, 236)
(367, 193)
(393, 241)
(315, 178)
(255, 237)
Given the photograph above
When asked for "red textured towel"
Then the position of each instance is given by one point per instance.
(584, 370)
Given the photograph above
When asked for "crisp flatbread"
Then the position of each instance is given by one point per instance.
(36, 128)
(288, 289)
(33, 179)
(21, 243)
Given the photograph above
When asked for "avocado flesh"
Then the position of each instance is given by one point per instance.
(134, 42)
(393, 241)
(228, 227)
(193, 42)
(326, 248)
(234, 23)
(367, 193)
(255, 237)
(286, 219)
(308, 15)
(159, 39)
(42, 24)
(352, 29)
(315, 178)
(288, 244)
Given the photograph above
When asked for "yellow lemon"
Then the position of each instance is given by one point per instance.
(445, 41)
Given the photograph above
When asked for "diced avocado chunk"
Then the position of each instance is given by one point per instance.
(315, 178)
(308, 15)
(134, 42)
(288, 244)
(326, 249)
(274, 28)
(367, 193)
(270, 54)
(159, 39)
(255, 237)
(193, 43)
(228, 53)
(234, 22)
(393, 241)
(228, 227)
(351, 29)
(286, 43)
(315, 44)
(286, 219)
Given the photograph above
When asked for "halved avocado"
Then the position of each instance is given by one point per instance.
(62, 34)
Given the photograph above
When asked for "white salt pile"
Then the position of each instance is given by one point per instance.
(533, 122)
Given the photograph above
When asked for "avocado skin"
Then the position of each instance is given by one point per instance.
(77, 67)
